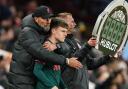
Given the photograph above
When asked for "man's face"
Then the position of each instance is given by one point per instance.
(71, 23)
(59, 33)
(45, 23)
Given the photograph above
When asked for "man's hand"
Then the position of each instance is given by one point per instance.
(49, 46)
(55, 87)
(92, 41)
(73, 62)
(117, 56)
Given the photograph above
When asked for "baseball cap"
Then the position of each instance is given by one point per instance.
(5, 13)
(43, 11)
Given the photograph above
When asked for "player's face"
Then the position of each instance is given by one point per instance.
(60, 33)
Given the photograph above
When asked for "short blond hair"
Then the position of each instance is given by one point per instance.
(64, 14)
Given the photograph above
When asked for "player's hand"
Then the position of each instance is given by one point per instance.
(49, 46)
(73, 62)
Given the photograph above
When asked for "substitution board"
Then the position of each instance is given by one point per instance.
(111, 28)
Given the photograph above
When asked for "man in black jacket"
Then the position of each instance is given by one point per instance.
(78, 78)
(28, 47)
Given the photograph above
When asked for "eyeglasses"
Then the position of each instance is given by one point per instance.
(46, 19)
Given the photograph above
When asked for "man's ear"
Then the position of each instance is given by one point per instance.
(36, 19)
(53, 30)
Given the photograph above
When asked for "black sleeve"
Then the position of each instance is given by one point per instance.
(90, 62)
(63, 48)
(81, 54)
(93, 63)
(30, 42)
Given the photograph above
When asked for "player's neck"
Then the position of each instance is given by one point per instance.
(52, 39)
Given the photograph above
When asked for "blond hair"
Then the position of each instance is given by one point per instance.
(64, 14)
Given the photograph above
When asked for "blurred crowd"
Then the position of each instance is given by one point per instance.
(111, 76)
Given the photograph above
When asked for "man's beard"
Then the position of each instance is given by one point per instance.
(46, 27)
